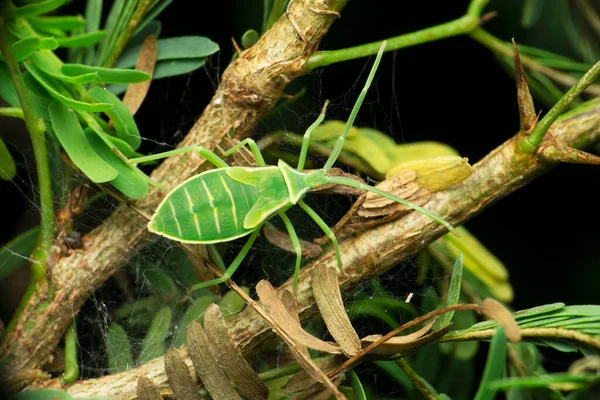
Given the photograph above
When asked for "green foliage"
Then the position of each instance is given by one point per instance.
(13, 253)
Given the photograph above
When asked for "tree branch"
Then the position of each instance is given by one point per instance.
(249, 89)
(500, 173)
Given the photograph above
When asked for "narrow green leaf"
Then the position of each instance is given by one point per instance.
(544, 381)
(154, 343)
(54, 89)
(25, 47)
(153, 28)
(93, 16)
(454, 290)
(42, 394)
(7, 90)
(183, 47)
(129, 180)
(46, 63)
(494, 365)
(70, 135)
(106, 75)
(65, 23)
(32, 10)
(8, 168)
(161, 283)
(48, 43)
(532, 9)
(357, 387)
(14, 253)
(118, 349)
(121, 118)
(123, 146)
(153, 14)
(195, 312)
(81, 40)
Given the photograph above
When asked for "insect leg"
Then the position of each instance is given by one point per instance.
(306, 138)
(340, 142)
(296, 244)
(207, 154)
(253, 148)
(325, 229)
(233, 266)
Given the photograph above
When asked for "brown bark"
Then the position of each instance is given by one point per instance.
(249, 88)
(500, 173)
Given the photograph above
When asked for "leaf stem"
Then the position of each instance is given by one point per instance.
(37, 132)
(421, 384)
(460, 26)
(11, 112)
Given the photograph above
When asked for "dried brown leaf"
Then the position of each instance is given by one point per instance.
(526, 107)
(326, 392)
(289, 301)
(283, 241)
(329, 300)
(279, 313)
(229, 357)
(136, 92)
(495, 310)
(179, 376)
(403, 344)
(146, 390)
(207, 368)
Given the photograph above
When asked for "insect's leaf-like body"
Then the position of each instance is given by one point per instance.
(227, 203)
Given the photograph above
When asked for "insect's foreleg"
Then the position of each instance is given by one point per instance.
(325, 229)
(340, 142)
(306, 138)
(296, 244)
(207, 154)
(233, 266)
(253, 148)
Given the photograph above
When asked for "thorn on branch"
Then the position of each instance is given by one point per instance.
(559, 153)
(527, 113)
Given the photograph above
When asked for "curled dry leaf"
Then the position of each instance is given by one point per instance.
(208, 370)
(136, 92)
(493, 309)
(329, 300)
(301, 381)
(326, 393)
(229, 357)
(274, 306)
(283, 241)
(179, 376)
(526, 107)
(146, 390)
(289, 301)
(403, 344)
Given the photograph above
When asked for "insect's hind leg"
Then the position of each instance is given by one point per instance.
(233, 266)
(204, 152)
(325, 229)
(253, 148)
(296, 244)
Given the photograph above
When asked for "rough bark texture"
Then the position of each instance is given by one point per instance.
(249, 88)
(500, 173)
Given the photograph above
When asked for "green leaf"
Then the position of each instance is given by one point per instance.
(161, 283)
(357, 387)
(580, 380)
(8, 168)
(25, 47)
(123, 146)
(32, 10)
(48, 44)
(494, 366)
(81, 40)
(152, 15)
(454, 290)
(47, 65)
(183, 47)
(7, 90)
(532, 9)
(15, 252)
(195, 312)
(54, 89)
(93, 16)
(249, 38)
(129, 181)
(154, 342)
(42, 394)
(231, 303)
(121, 118)
(118, 349)
(70, 135)
(106, 75)
(65, 23)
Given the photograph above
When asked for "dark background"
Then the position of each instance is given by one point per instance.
(453, 91)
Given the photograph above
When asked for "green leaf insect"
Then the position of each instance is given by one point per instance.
(227, 203)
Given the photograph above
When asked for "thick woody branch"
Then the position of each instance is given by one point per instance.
(249, 89)
(500, 173)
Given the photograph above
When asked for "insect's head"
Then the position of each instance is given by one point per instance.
(317, 178)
